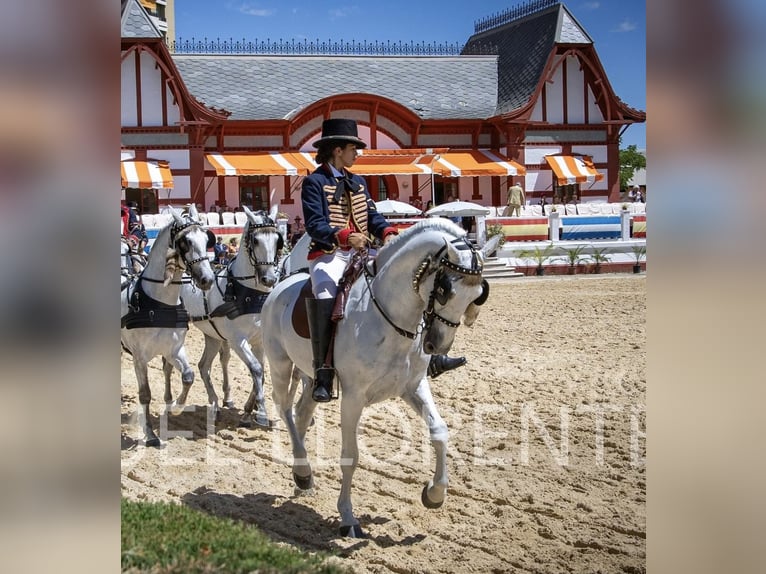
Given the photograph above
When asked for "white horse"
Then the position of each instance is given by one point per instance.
(154, 321)
(230, 314)
(407, 306)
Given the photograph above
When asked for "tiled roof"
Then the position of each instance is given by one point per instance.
(256, 87)
(523, 47)
(135, 22)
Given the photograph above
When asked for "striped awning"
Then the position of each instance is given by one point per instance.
(146, 174)
(266, 163)
(571, 169)
(395, 162)
(474, 163)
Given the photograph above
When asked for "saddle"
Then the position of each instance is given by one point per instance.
(352, 272)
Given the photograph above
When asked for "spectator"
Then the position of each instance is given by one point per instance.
(220, 251)
(516, 199)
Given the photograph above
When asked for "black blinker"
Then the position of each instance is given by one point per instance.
(210, 239)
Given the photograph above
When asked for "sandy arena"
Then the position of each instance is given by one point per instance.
(546, 454)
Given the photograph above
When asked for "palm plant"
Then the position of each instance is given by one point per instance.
(599, 256)
(639, 251)
(539, 255)
(573, 256)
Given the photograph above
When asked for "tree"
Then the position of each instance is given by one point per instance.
(630, 160)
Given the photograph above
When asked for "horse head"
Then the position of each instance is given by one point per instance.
(449, 281)
(263, 244)
(187, 249)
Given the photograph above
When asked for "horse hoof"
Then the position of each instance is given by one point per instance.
(152, 442)
(303, 482)
(228, 404)
(427, 502)
(245, 423)
(175, 409)
(262, 421)
(352, 531)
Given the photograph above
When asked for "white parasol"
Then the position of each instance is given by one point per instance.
(458, 209)
(393, 207)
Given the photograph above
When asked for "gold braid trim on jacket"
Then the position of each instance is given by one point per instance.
(340, 213)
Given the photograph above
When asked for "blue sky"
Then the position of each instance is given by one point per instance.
(618, 29)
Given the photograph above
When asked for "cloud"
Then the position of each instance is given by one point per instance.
(591, 6)
(625, 26)
(338, 13)
(250, 10)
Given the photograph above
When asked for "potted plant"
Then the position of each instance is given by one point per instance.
(639, 251)
(573, 257)
(492, 231)
(598, 257)
(539, 255)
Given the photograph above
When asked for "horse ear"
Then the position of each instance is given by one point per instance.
(247, 211)
(273, 212)
(176, 215)
(490, 246)
(193, 213)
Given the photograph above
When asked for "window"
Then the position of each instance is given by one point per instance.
(566, 193)
(382, 188)
(145, 198)
(254, 192)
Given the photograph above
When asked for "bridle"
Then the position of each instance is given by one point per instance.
(250, 240)
(177, 232)
(442, 285)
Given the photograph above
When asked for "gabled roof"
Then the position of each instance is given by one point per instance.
(135, 21)
(260, 87)
(524, 45)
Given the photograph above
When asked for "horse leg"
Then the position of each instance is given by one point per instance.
(350, 412)
(224, 354)
(181, 362)
(283, 378)
(167, 372)
(144, 398)
(205, 364)
(422, 402)
(256, 398)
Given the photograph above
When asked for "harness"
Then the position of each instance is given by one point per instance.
(441, 288)
(238, 298)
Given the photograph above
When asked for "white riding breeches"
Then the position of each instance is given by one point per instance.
(326, 271)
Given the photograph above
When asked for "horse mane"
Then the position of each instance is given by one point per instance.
(431, 224)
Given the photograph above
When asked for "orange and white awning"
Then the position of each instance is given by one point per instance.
(570, 169)
(268, 163)
(395, 162)
(474, 163)
(146, 174)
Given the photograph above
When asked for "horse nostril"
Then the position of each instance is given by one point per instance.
(429, 347)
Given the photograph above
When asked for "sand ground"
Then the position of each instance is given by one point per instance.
(546, 458)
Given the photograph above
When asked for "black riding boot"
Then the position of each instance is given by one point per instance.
(442, 363)
(319, 312)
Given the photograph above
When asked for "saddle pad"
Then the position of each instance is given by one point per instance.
(299, 317)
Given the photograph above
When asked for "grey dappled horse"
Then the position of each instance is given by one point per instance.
(407, 306)
(153, 320)
(229, 315)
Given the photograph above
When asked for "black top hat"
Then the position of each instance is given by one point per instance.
(337, 129)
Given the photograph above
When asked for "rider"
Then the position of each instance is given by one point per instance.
(340, 217)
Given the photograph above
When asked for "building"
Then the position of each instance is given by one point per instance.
(526, 99)
(162, 15)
